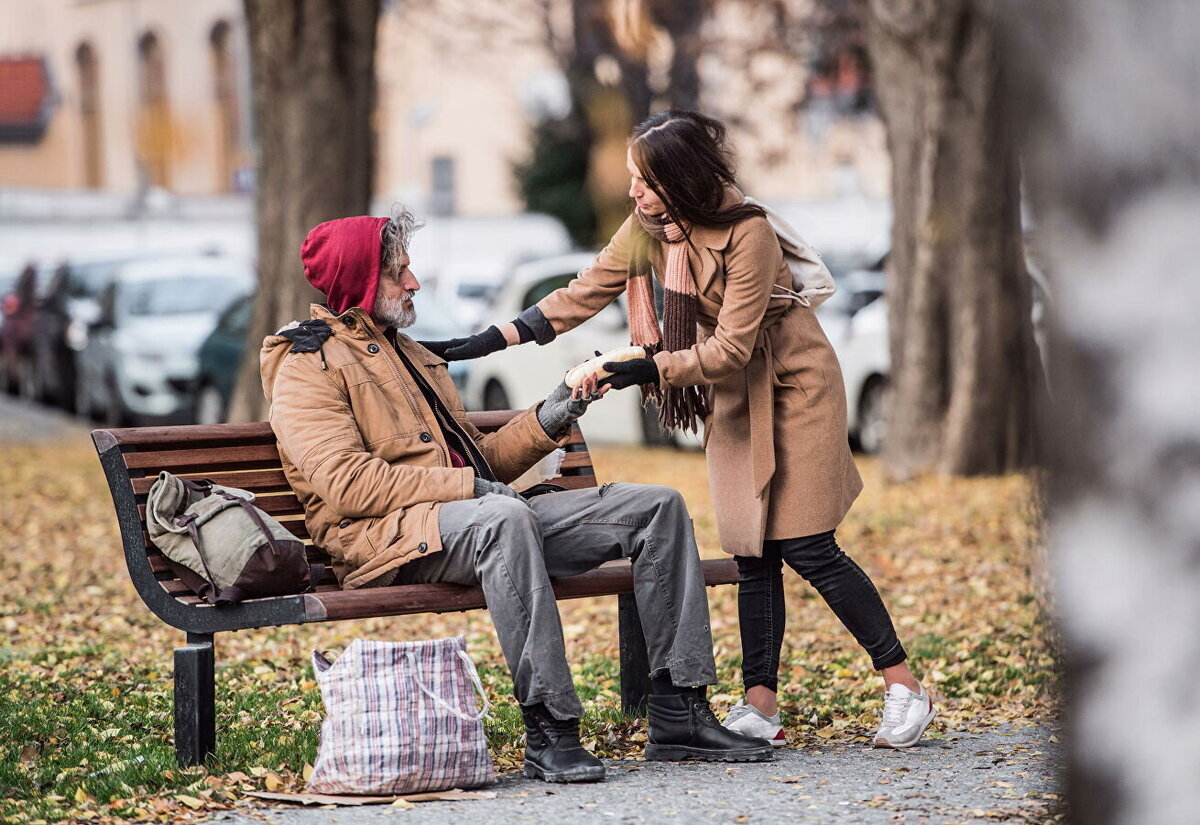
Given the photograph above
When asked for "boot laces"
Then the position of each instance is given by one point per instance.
(558, 728)
(705, 710)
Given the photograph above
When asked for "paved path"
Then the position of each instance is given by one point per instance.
(1001, 775)
(26, 422)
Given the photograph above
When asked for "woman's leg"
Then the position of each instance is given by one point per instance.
(853, 598)
(761, 616)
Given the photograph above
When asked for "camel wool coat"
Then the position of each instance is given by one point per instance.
(779, 463)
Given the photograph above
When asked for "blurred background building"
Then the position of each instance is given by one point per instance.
(128, 145)
(126, 96)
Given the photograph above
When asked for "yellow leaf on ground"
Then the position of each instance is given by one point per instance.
(273, 781)
(308, 771)
(191, 801)
(80, 795)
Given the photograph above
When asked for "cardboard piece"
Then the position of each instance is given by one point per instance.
(452, 795)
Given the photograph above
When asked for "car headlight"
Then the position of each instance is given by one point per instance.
(76, 336)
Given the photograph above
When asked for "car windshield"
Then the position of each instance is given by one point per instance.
(88, 280)
(177, 296)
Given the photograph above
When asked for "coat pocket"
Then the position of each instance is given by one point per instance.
(353, 547)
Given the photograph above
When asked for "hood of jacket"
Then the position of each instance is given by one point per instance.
(342, 259)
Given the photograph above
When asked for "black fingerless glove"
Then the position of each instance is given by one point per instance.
(463, 349)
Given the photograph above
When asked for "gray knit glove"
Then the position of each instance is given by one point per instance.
(559, 411)
(484, 487)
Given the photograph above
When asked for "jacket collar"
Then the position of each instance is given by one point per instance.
(356, 323)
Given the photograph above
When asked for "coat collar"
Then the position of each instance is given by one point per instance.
(356, 323)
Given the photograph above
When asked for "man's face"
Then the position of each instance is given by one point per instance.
(393, 301)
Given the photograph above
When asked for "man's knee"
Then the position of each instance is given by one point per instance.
(652, 496)
(506, 513)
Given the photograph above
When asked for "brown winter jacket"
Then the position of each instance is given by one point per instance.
(363, 450)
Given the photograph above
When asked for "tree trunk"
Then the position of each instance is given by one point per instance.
(1108, 95)
(313, 64)
(964, 363)
(683, 21)
(606, 109)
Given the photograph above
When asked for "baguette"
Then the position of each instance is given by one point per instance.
(595, 366)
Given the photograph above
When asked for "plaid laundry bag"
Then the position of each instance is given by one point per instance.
(401, 718)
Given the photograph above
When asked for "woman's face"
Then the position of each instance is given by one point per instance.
(647, 202)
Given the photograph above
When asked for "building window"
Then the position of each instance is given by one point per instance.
(154, 127)
(225, 95)
(442, 201)
(89, 115)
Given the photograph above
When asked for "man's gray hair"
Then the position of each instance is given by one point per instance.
(397, 233)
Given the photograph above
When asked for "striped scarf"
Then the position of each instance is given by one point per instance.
(678, 407)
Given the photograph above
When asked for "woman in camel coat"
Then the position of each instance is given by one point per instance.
(738, 352)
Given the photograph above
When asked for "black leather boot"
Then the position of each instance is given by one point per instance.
(682, 726)
(552, 749)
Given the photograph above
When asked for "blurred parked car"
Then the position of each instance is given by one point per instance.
(140, 358)
(520, 376)
(19, 307)
(860, 340)
(855, 320)
(8, 283)
(70, 304)
(221, 353)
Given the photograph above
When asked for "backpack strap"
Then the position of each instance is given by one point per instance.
(188, 520)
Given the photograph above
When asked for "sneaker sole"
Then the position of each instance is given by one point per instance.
(779, 740)
(589, 774)
(913, 739)
(683, 753)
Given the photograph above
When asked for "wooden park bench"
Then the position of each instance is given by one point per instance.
(244, 455)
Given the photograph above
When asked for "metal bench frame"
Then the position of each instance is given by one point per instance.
(194, 677)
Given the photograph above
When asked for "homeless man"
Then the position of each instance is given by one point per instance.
(399, 487)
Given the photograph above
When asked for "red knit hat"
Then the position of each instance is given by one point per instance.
(342, 259)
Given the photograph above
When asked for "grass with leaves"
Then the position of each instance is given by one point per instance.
(85, 669)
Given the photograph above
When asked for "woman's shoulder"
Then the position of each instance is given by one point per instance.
(750, 229)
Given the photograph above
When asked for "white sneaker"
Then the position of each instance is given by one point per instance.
(906, 715)
(751, 721)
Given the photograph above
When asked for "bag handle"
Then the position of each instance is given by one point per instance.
(471, 671)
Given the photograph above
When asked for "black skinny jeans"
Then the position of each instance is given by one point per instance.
(842, 584)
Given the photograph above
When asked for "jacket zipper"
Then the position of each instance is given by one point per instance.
(446, 420)
(412, 402)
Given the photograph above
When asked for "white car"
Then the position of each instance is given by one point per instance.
(520, 376)
(140, 358)
(860, 340)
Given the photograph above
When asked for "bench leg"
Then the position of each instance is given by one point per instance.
(195, 700)
(635, 663)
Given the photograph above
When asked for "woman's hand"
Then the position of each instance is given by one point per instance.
(630, 373)
(463, 349)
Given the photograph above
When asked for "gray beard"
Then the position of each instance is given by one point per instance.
(391, 312)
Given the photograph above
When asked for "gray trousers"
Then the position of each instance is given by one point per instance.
(513, 548)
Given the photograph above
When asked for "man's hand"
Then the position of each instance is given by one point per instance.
(564, 405)
(483, 487)
(630, 373)
(463, 349)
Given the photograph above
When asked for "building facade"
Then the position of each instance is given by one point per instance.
(125, 95)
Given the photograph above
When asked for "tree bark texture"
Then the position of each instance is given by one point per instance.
(964, 362)
(313, 65)
(1110, 120)
(607, 111)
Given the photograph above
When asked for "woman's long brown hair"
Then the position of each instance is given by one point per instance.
(685, 159)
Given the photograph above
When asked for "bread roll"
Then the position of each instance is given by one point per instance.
(596, 365)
